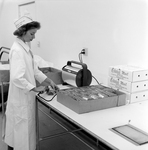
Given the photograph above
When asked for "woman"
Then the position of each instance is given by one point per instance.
(20, 131)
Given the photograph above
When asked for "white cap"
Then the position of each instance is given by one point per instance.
(22, 21)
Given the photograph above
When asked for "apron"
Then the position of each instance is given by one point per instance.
(20, 132)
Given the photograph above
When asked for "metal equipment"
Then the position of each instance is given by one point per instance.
(77, 74)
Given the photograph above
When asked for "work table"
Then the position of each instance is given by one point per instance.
(99, 123)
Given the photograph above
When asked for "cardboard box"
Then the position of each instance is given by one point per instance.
(129, 73)
(127, 86)
(54, 74)
(137, 97)
(90, 98)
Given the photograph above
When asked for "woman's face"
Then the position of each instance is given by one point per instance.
(30, 35)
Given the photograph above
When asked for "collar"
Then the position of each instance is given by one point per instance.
(24, 45)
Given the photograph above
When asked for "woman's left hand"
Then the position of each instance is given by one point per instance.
(49, 82)
(54, 86)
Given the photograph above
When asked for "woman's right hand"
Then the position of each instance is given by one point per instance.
(39, 89)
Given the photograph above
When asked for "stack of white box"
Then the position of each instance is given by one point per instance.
(131, 80)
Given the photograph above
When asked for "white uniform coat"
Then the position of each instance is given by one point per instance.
(20, 113)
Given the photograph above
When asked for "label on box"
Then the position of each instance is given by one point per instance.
(113, 82)
(129, 73)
